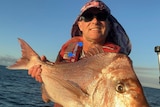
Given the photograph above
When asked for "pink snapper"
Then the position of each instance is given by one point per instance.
(102, 79)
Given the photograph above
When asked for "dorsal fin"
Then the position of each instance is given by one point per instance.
(94, 50)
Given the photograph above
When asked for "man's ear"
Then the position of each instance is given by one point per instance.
(80, 25)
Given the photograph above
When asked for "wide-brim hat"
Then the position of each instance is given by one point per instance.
(117, 33)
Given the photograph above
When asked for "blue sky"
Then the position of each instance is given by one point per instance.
(46, 25)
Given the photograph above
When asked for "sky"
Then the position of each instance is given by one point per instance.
(46, 25)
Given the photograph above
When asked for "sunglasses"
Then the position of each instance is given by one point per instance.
(89, 16)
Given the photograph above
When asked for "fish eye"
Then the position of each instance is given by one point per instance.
(120, 88)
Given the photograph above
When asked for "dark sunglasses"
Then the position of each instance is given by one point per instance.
(89, 16)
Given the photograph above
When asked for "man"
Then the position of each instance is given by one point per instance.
(94, 26)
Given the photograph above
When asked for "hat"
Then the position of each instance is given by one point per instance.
(94, 4)
(117, 34)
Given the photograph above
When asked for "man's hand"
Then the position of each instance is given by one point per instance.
(36, 70)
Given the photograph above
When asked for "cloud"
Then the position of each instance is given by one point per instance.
(148, 77)
(144, 68)
(7, 60)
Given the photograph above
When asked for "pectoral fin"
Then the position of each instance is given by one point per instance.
(72, 87)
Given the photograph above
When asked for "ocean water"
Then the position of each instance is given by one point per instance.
(17, 89)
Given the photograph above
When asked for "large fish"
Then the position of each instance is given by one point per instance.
(99, 80)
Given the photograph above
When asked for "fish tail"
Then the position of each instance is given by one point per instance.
(27, 55)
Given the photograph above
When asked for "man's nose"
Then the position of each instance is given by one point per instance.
(94, 19)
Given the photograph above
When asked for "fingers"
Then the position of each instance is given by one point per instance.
(33, 69)
(35, 72)
(38, 75)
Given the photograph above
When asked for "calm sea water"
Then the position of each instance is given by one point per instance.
(17, 89)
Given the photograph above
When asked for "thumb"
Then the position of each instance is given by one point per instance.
(43, 58)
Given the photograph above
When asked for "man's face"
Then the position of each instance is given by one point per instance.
(94, 25)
